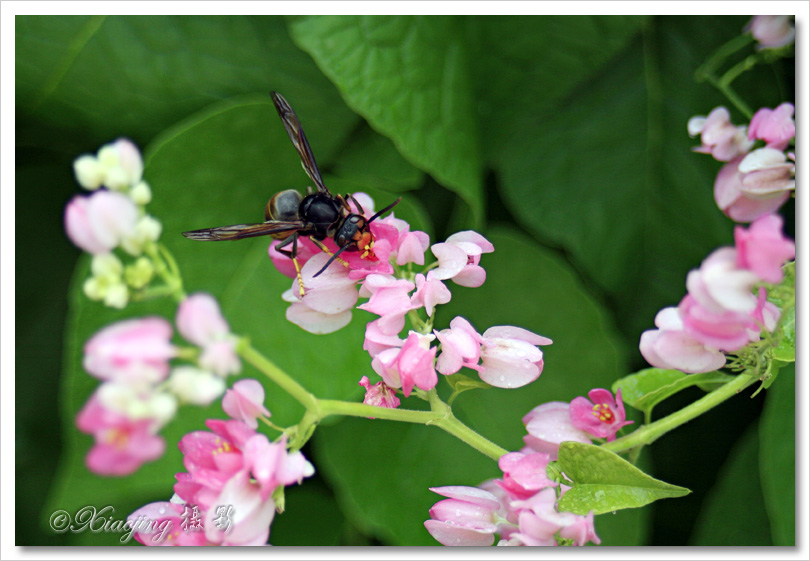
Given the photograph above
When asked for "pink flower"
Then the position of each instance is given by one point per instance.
(718, 136)
(379, 395)
(767, 175)
(376, 341)
(245, 402)
(306, 249)
(200, 321)
(430, 291)
(763, 249)
(461, 347)
(524, 474)
(459, 257)
(329, 298)
(510, 358)
(408, 247)
(409, 366)
(673, 348)
(100, 222)
(271, 465)
(389, 298)
(241, 515)
(775, 126)
(466, 518)
(772, 31)
(719, 285)
(122, 445)
(727, 331)
(602, 416)
(538, 519)
(550, 424)
(161, 524)
(733, 200)
(135, 351)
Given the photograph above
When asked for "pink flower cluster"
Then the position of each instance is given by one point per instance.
(140, 391)
(720, 312)
(330, 297)
(752, 183)
(521, 508)
(232, 474)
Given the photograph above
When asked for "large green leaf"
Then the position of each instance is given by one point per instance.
(607, 170)
(606, 482)
(381, 470)
(408, 77)
(733, 513)
(777, 457)
(135, 75)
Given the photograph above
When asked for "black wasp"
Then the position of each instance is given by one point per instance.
(319, 215)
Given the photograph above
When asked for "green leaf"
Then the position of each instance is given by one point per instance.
(604, 482)
(732, 513)
(112, 76)
(785, 350)
(607, 172)
(373, 160)
(526, 286)
(647, 388)
(777, 457)
(407, 76)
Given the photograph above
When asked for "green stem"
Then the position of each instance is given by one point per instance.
(709, 67)
(277, 375)
(648, 434)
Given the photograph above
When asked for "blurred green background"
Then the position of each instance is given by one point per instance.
(562, 139)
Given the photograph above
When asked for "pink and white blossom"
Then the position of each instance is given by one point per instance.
(161, 524)
(671, 347)
(430, 292)
(195, 386)
(510, 357)
(408, 366)
(767, 174)
(775, 126)
(390, 299)
(550, 424)
(763, 249)
(376, 341)
(468, 517)
(524, 474)
(772, 31)
(200, 321)
(732, 196)
(122, 444)
(100, 222)
(245, 402)
(720, 285)
(461, 347)
(135, 351)
(602, 415)
(459, 256)
(719, 137)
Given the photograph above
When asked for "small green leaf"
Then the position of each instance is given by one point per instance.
(647, 388)
(786, 349)
(605, 482)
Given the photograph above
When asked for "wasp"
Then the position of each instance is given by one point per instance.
(318, 215)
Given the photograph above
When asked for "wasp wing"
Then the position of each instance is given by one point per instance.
(240, 231)
(299, 140)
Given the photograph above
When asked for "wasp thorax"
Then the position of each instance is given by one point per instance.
(283, 206)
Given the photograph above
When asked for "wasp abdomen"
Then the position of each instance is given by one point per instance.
(283, 206)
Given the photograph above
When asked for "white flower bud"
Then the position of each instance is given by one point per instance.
(89, 172)
(196, 386)
(141, 194)
(116, 296)
(93, 289)
(139, 273)
(106, 265)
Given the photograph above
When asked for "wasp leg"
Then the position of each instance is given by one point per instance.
(325, 249)
(343, 201)
(292, 255)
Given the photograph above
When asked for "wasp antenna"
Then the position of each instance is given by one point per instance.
(334, 256)
(383, 211)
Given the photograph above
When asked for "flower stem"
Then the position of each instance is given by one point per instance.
(277, 375)
(648, 434)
